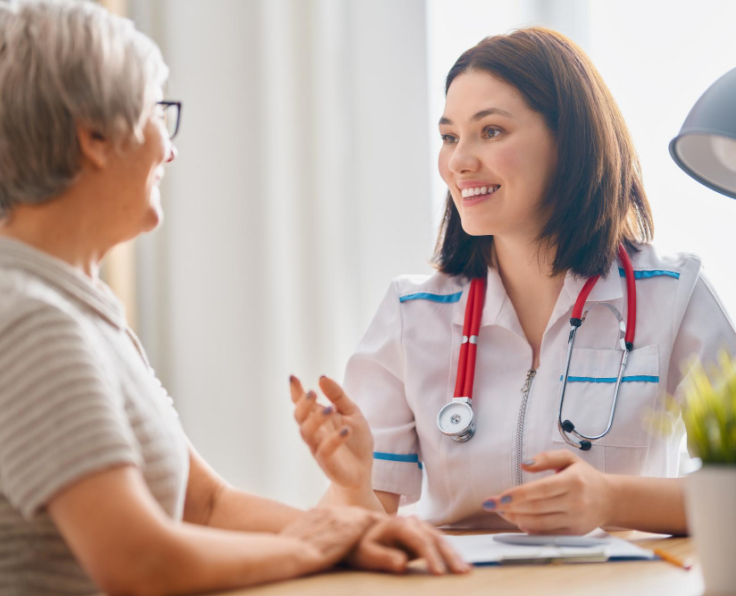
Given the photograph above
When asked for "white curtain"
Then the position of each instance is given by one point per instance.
(302, 186)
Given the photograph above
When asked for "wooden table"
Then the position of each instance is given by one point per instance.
(650, 578)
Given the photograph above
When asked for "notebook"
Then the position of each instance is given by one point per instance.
(483, 549)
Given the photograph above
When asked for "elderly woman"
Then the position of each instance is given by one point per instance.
(99, 486)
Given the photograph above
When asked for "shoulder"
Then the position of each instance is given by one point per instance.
(690, 288)
(678, 273)
(27, 301)
(649, 262)
(437, 287)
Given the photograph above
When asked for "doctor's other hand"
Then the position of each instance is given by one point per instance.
(576, 500)
(391, 543)
(338, 435)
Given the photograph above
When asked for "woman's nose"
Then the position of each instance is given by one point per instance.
(173, 152)
(463, 159)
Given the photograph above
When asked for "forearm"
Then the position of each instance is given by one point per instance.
(195, 559)
(648, 504)
(364, 497)
(233, 509)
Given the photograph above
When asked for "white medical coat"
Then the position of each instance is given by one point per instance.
(404, 371)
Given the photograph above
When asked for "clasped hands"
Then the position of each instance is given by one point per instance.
(575, 500)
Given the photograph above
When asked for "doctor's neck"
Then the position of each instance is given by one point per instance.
(525, 270)
(524, 263)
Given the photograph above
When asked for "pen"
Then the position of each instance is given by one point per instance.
(589, 557)
(672, 559)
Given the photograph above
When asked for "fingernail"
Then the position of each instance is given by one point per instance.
(323, 377)
(528, 462)
(311, 395)
(506, 499)
(344, 432)
(292, 378)
(489, 504)
(327, 410)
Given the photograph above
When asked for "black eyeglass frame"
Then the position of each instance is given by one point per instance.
(167, 104)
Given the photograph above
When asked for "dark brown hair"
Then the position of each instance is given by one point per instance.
(596, 198)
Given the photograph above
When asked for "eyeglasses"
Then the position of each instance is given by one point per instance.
(172, 116)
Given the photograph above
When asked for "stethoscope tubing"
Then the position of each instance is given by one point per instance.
(627, 341)
(469, 346)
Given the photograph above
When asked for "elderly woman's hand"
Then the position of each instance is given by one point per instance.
(372, 541)
(391, 543)
(330, 533)
(576, 500)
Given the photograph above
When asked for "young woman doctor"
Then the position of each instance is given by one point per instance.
(545, 195)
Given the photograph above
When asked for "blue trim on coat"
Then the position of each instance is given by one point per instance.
(650, 274)
(410, 458)
(432, 297)
(629, 379)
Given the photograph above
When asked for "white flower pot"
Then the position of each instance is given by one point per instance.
(711, 515)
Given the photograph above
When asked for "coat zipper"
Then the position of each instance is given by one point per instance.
(520, 425)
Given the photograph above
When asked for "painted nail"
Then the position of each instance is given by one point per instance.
(311, 395)
(506, 499)
(528, 462)
(489, 504)
(292, 378)
(327, 410)
(344, 432)
(323, 377)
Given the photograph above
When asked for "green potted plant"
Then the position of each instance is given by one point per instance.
(709, 414)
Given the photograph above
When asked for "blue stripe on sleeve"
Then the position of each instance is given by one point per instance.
(409, 458)
(650, 274)
(432, 297)
(630, 379)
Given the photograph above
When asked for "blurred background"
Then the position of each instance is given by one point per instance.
(306, 180)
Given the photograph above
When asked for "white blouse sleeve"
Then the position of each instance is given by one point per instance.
(374, 379)
(704, 330)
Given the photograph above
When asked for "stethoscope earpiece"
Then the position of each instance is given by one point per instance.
(568, 427)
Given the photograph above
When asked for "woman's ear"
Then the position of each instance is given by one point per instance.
(94, 146)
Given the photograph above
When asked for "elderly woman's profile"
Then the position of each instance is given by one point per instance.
(100, 488)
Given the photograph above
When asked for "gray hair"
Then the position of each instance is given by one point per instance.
(64, 63)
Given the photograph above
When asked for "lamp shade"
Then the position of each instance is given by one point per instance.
(706, 145)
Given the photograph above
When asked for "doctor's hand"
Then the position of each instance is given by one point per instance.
(576, 500)
(338, 435)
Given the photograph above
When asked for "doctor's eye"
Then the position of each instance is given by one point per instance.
(448, 139)
(491, 132)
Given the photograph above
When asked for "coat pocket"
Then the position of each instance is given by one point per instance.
(590, 390)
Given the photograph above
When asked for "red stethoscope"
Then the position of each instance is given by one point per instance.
(456, 419)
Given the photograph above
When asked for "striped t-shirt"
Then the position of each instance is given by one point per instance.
(77, 396)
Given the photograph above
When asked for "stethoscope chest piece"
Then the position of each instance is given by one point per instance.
(456, 420)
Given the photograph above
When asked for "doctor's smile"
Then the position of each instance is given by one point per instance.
(474, 192)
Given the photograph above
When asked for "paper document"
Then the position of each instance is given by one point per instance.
(483, 549)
